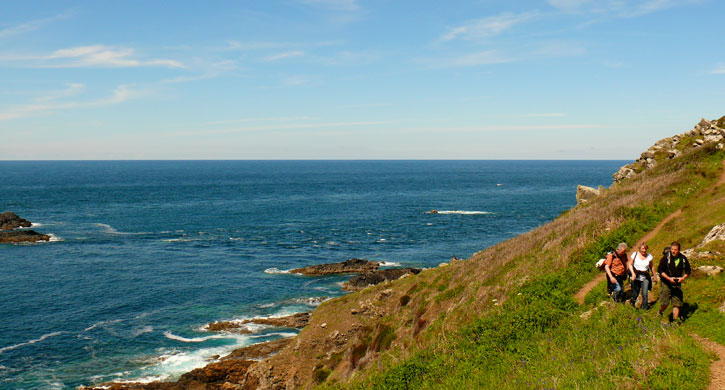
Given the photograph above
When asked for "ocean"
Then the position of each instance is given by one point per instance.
(145, 253)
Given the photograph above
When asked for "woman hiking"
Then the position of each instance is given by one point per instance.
(640, 267)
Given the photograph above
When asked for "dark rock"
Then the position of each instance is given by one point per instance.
(22, 236)
(259, 351)
(375, 277)
(351, 266)
(10, 220)
(298, 320)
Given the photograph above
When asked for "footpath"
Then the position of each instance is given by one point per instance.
(717, 368)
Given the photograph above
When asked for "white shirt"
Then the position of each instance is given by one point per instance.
(641, 264)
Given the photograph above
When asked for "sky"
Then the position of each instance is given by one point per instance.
(355, 79)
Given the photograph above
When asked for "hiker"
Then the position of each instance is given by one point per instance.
(616, 268)
(640, 267)
(673, 269)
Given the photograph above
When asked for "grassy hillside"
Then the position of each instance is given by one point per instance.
(506, 318)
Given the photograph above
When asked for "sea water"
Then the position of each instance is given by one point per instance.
(145, 253)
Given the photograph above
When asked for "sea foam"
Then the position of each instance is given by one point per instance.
(39, 339)
(463, 212)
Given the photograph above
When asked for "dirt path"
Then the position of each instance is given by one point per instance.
(717, 368)
(579, 296)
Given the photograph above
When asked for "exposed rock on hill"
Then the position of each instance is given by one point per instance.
(10, 220)
(585, 194)
(352, 266)
(22, 236)
(376, 277)
(703, 133)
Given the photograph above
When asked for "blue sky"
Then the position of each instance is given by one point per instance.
(355, 79)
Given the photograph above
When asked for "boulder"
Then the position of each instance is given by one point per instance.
(624, 172)
(376, 277)
(352, 266)
(585, 194)
(673, 153)
(704, 123)
(10, 220)
(647, 154)
(22, 236)
(716, 233)
(709, 270)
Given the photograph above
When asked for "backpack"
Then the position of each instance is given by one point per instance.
(600, 264)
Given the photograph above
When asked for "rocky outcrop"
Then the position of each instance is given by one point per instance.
(585, 194)
(376, 277)
(229, 373)
(352, 266)
(709, 270)
(298, 320)
(10, 220)
(716, 233)
(705, 132)
(22, 236)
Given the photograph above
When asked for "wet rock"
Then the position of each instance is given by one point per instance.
(259, 351)
(10, 220)
(372, 278)
(22, 236)
(298, 320)
(351, 266)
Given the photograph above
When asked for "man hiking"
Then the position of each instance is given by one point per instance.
(673, 269)
(616, 268)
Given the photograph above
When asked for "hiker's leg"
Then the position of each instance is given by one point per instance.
(675, 312)
(636, 286)
(616, 290)
(645, 294)
(664, 297)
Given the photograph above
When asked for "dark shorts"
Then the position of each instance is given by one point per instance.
(670, 293)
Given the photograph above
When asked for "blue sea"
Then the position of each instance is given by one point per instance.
(145, 253)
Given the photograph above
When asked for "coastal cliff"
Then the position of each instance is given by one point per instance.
(457, 325)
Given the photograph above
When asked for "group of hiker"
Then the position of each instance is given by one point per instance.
(672, 270)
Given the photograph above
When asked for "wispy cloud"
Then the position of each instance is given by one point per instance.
(486, 57)
(618, 8)
(506, 128)
(546, 115)
(296, 81)
(282, 127)
(89, 56)
(335, 5)
(719, 70)
(559, 49)
(487, 27)
(272, 119)
(205, 71)
(285, 55)
(49, 102)
(28, 26)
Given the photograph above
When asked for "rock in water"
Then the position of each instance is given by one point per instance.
(22, 236)
(585, 194)
(10, 220)
(375, 277)
(352, 266)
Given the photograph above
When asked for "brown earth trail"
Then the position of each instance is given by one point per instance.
(582, 293)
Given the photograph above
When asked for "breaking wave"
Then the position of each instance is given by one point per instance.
(463, 212)
(39, 339)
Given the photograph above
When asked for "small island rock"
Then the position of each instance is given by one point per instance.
(351, 266)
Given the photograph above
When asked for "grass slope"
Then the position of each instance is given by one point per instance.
(506, 318)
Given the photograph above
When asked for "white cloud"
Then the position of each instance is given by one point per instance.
(619, 8)
(285, 55)
(27, 26)
(487, 57)
(546, 115)
(719, 70)
(487, 27)
(89, 56)
(205, 71)
(49, 103)
(335, 5)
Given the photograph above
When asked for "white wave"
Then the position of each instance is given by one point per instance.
(36, 225)
(172, 336)
(39, 339)
(236, 239)
(54, 238)
(276, 271)
(144, 329)
(463, 212)
(101, 323)
(382, 240)
(3, 368)
(143, 379)
(389, 264)
(332, 243)
(111, 230)
(267, 305)
(310, 301)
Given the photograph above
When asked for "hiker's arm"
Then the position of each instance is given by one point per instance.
(608, 270)
(630, 267)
